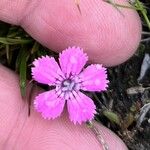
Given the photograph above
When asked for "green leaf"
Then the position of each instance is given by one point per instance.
(12, 41)
(35, 47)
(19, 57)
(113, 117)
(23, 69)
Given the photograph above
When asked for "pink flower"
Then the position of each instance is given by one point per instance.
(69, 79)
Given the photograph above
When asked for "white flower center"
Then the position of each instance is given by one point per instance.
(68, 85)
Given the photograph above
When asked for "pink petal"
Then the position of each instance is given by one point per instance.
(94, 78)
(49, 104)
(81, 108)
(72, 60)
(46, 70)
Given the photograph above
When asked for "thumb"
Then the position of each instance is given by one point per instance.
(20, 132)
(13, 11)
(107, 35)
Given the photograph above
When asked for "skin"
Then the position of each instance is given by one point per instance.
(108, 36)
(20, 132)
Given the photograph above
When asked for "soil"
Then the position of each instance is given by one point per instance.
(124, 99)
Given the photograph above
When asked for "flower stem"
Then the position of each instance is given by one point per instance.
(143, 11)
(97, 133)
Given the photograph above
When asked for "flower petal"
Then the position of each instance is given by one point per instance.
(81, 108)
(94, 78)
(46, 70)
(72, 60)
(49, 104)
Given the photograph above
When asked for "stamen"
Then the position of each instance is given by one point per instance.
(57, 82)
(72, 85)
(67, 95)
(62, 95)
(59, 92)
(68, 85)
(67, 88)
(57, 88)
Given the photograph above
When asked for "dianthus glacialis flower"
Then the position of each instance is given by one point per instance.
(69, 78)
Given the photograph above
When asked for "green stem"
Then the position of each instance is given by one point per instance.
(143, 11)
(129, 7)
(123, 6)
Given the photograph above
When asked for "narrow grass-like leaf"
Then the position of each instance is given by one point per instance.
(35, 47)
(143, 11)
(12, 41)
(18, 60)
(23, 70)
(7, 52)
